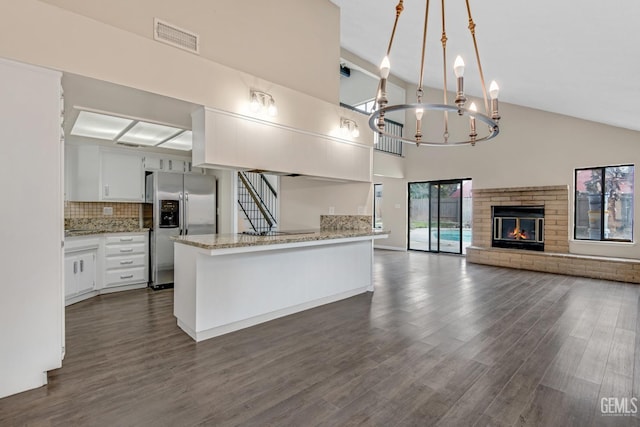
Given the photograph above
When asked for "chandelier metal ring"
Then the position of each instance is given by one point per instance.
(381, 105)
(494, 129)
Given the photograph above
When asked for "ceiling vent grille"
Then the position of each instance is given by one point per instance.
(170, 34)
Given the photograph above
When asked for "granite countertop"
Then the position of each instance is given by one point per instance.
(225, 241)
(88, 232)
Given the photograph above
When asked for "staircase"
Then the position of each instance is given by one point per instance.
(258, 200)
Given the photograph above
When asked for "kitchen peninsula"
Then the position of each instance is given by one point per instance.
(227, 282)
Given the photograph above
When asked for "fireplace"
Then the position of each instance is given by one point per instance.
(518, 227)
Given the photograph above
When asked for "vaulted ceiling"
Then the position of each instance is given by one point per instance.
(577, 58)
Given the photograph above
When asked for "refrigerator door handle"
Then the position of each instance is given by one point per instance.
(181, 213)
(186, 213)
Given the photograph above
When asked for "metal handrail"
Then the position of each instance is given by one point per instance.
(268, 199)
(256, 199)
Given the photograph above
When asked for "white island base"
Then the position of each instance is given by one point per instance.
(217, 291)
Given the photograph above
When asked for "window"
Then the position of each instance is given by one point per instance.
(377, 205)
(440, 216)
(366, 107)
(604, 203)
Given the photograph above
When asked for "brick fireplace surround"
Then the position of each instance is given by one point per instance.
(556, 257)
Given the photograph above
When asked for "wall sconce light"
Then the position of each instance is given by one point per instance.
(262, 102)
(349, 127)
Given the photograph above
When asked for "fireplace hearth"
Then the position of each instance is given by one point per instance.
(518, 227)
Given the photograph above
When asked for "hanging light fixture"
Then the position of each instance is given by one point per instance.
(489, 118)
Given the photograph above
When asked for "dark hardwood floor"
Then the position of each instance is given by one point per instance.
(440, 342)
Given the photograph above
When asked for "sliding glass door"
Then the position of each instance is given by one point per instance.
(440, 216)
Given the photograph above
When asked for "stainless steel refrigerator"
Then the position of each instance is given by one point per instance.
(182, 205)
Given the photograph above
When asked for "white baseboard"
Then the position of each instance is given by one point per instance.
(390, 248)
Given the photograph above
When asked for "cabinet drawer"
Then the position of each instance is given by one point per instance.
(134, 248)
(124, 276)
(125, 239)
(115, 262)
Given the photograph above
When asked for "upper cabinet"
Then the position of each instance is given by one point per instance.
(164, 164)
(95, 174)
(121, 177)
(227, 140)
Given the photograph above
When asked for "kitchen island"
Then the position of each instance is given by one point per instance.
(227, 282)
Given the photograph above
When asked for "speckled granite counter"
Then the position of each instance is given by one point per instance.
(79, 233)
(227, 282)
(227, 241)
(77, 227)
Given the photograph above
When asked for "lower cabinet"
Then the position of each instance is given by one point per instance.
(80, 273)
(126, 259)
(105, 263)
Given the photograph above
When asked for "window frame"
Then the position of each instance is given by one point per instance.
(602, 203)
(375, 206)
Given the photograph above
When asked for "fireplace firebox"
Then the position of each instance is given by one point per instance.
(518, 227)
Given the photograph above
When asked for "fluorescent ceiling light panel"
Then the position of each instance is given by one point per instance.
(99, 126)
(180, 142)
(143, 133)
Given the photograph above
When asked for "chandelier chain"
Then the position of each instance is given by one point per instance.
(445, 135)
(472, 29)
(399, 9)
(457, 109)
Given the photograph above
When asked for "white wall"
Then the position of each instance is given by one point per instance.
(88, 47)
(535, 148)
(303, 200)
(393, 212)
(31, 307)
(226, 198)
(292, 43)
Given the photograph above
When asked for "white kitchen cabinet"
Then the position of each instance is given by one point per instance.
(80, 274)
(94, 173)
(231, 141)
(154, 163)
(126, 260)
(189, 168)
(122, 177)
(81, 267)
(167, 164)
(174, 165)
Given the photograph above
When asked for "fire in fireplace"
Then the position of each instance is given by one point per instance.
(518, 227)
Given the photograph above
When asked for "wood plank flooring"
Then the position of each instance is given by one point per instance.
(440, 342)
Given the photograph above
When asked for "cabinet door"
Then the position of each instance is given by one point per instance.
(86, 272)
(122, 177)
(70, 275)
(154, 164)
(175, 165)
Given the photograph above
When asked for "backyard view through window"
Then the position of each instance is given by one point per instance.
(604, 203)
(440, 216)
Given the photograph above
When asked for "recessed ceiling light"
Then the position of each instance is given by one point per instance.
(180, 142)
(99, 126)
(144, 133)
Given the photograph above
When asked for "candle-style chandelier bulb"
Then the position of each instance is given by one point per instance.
(385, 67)
(494, 90)
(489, 115)
(458, 66)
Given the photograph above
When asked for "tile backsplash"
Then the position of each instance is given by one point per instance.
(96, 210)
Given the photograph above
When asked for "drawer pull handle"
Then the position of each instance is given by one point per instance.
(128, 276)
(126, 262)
(126, 250)
(126, 239)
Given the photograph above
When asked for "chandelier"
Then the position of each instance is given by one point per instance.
(475, 133)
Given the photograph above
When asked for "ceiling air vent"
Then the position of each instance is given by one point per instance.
(170, 34)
